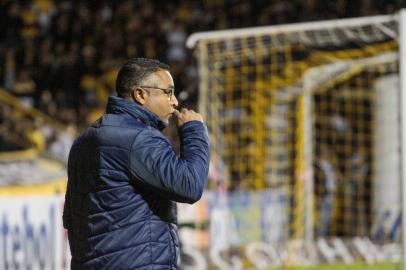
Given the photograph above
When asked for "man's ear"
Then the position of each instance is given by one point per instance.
(139, 95)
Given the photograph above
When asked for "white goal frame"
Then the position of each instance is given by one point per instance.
(194, 39)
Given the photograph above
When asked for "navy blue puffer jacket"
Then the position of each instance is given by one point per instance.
(124, 178)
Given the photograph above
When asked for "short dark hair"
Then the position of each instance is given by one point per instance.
(134, 71)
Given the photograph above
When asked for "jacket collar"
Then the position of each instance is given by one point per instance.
(121, 105)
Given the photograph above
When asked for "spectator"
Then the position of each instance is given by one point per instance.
(326, 189)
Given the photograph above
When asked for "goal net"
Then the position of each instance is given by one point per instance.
(311, 112)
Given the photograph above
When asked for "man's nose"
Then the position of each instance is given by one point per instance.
(174, 101)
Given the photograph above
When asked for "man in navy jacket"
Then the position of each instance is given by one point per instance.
(124, 177)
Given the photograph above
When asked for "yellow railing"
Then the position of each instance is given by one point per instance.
(18, 155)
(56, 186)
(15, 102)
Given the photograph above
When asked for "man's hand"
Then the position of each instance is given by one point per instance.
(186, 115)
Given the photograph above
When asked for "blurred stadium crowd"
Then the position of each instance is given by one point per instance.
(61, 57)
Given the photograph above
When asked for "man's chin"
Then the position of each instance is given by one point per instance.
(166, 120)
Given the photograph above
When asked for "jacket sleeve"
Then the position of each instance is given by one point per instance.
(155, 165)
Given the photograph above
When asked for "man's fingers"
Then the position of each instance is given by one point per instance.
(186, 115)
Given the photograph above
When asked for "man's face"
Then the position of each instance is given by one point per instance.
(157, 100)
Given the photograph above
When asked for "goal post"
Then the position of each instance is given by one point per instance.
(402, 66)
(314, 111)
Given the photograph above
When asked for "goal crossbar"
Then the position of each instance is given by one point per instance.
(287, 28)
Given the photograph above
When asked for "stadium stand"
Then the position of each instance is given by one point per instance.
(27, 167)
(68, 69)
